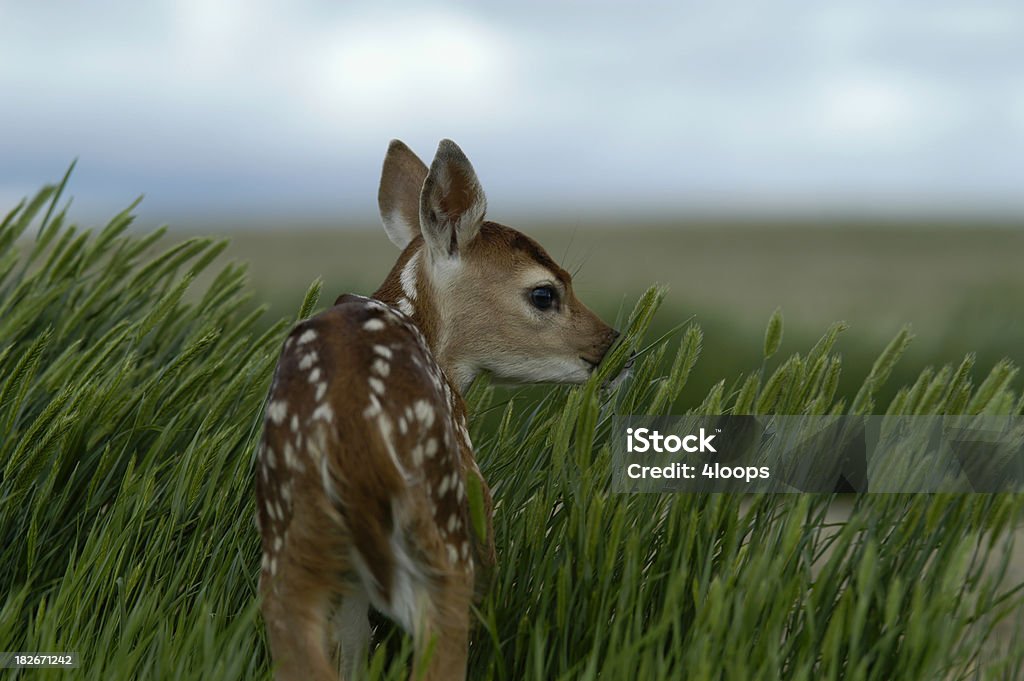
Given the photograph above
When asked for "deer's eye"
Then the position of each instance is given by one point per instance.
(543, 297)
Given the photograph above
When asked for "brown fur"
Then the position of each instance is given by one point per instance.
(365, 461)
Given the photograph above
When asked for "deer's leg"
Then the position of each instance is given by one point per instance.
(302, 576)
(442, 638)
(296, 631)
(351, 626)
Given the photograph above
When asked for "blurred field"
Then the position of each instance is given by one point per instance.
(960, 287)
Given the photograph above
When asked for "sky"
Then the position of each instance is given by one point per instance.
(283, 110)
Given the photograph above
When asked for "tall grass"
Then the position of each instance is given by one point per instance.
(129, 409)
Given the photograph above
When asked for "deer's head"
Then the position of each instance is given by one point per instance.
(487, 297)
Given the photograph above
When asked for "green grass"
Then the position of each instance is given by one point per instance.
(130, 403)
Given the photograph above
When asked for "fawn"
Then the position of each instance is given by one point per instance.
(366, 460)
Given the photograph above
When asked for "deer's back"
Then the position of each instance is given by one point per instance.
(362, 424)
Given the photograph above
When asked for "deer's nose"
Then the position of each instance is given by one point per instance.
(612, 336)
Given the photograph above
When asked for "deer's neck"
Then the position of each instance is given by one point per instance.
(405, 289)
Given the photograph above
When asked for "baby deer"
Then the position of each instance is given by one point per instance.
(366, 467)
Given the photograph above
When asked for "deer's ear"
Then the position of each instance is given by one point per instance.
(401, 181)
(452, 204)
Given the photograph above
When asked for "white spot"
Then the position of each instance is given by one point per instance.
(443, 487)
(424, 412)
(373, 325)
(286, 494)
(381, 367)
(314, 375)
(295, 423)
(430, 449)
(273, 566)
(325, 476)
(453, 555)
(374, 408)
(277, 544)
(383, 350)
(307, 360)
(277, 411)
(324, 412)
(417, 454)
(377, 385)
(307, 336)
(320, 390)
(465, 550)
(408, 276)
(289, 455)
(453, 522)
(460, 491)
(265, 562)
(403, 425)
(270, 458)
(384, 423)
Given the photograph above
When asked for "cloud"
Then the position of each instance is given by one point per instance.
(265, 105)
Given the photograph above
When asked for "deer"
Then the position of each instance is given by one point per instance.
(365, 462)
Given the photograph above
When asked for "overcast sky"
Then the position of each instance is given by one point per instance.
(285, 108)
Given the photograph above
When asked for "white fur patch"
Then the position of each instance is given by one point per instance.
(324, 412)
(521, 369)
(374, 409)
(408, 276)
(277, 411)
(424, 412)
(373, 325)
(307, 336)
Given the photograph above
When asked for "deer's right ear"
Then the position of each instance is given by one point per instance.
(401, 181)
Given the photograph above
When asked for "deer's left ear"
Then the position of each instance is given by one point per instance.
(452, 204)
(401, 180)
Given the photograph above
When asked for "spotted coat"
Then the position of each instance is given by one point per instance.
(362, 470)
